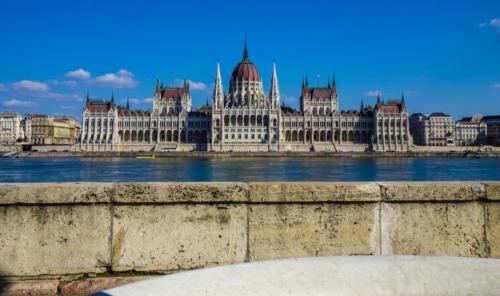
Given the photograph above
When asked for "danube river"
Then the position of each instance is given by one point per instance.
(73, 169)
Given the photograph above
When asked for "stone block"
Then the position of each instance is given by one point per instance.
(54, 240)
(493, 229)
(492, 190)
(299, 230)
(55, 193)
(30, 287)
(180, 192)
(436, 229)
(432, 191)
(176, 237)
(314, 192)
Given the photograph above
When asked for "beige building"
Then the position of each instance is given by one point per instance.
(470, 132)
(436, 129)
(48, 130)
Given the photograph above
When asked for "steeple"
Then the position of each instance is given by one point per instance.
(128, 104)
(218, 96)
(362, 105)
(402, 99)
(333, 80)
(329, 86)
(112, 97)
(245, 51)
(378, 98)
(186, 83)
(274, 92)
(88, 96)
(307, 82)
(157, 88)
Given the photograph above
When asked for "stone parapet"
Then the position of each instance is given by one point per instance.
(72, 235)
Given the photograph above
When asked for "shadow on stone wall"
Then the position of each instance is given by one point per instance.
(4, 284)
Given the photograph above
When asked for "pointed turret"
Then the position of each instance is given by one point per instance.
(245, 51)
(88, 97)
(128, 104)
(157, 87)
(307, 82)
(329, 86)
(362, 105)
(333, 80)
(112, 97)
(218, 95)
(274, 93)
(402, 99)
(378, 99)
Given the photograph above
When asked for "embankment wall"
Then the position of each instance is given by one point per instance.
(77, 238)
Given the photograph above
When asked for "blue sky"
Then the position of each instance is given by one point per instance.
(444, 55)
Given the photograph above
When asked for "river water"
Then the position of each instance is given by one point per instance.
(73, 169)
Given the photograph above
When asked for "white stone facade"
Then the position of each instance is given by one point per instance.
(436, 129)
(244, 119)
(470, 133)
(14, 128)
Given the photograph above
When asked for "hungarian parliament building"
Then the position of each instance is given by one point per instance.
(245, 119)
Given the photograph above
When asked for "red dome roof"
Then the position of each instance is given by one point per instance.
(245, 70)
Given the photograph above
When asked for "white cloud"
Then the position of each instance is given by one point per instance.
(373, 93)
(287, 99)
(496, 85)
(3, 87)
(79, 74)
(30, 85)
(492, 23)
(120, 79)
(18, 103)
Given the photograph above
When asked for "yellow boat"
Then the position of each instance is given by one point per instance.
(145, 156)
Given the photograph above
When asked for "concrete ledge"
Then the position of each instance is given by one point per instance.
(357, 275)
(314, 192)
(53, 193)
(492, 190)
(432, 191)
(179, 192)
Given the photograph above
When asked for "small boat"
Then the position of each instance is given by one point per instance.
(145, 156)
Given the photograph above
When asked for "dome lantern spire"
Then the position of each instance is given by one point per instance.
(245, 51)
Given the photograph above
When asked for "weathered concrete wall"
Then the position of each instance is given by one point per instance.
(69, 233)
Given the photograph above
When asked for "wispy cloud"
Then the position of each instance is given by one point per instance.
(79, 74)
(3, 87)
(496, 85)
(288, 99)
(373, 93)
(30, 85)
(120, 79)
(139, 101)
(492, 23)
(18, 103)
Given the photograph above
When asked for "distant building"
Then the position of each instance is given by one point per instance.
(48, 130)
(470, 132)
(245, 119)
(436, 129)
(493, 129)
(14, 128)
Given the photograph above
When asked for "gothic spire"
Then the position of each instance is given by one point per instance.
(218, 96)
(378, 98)
(333, 80)
(402, 98)
(128, 104)
(88, 96)
(307, 82)
(245, 51)
(362, 105)
(329, 86)
(274, 92)
(157, 88)
(112, 97)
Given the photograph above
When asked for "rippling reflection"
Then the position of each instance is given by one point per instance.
(247, 169)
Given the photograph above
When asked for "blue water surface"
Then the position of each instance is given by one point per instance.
(73, 169)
